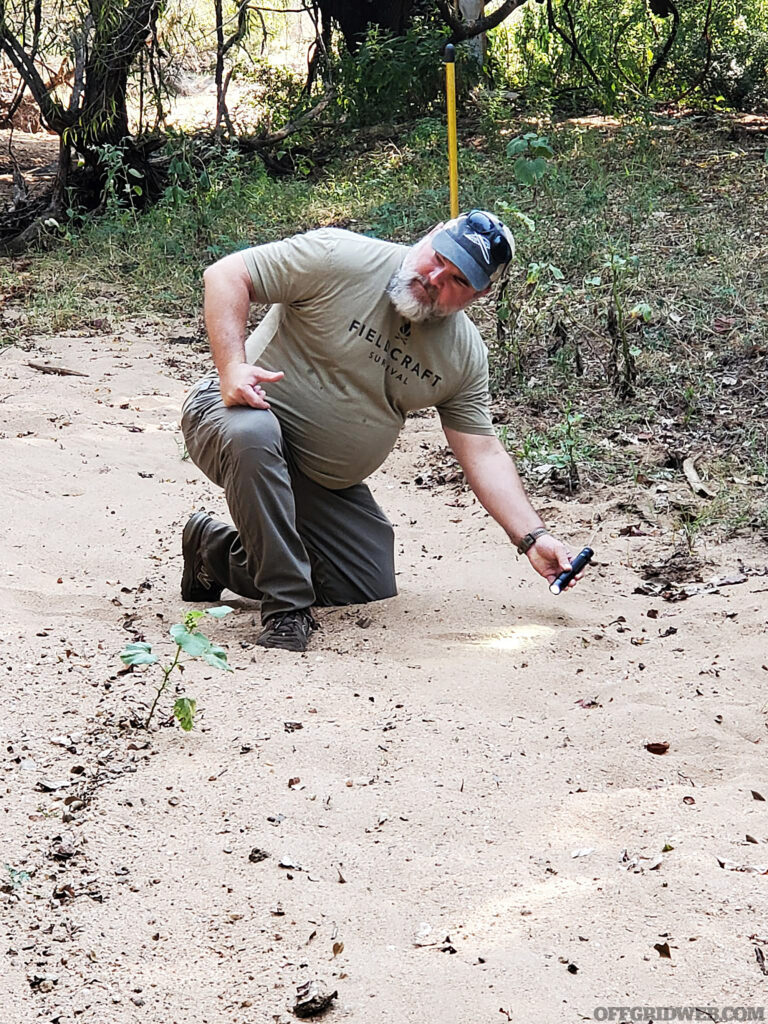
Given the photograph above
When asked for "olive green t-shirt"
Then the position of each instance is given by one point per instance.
(354, 367)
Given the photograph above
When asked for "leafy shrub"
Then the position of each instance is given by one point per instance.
(274, 96)
(392, 77)
(740, 73)
(617, 57)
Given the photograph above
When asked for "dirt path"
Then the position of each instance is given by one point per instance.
(449, 770)
(37, 154)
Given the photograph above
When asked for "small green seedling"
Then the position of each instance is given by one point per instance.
(190, 641)
(16, 878)
(532, 152)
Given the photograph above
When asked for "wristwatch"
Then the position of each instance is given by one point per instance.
(530, 539)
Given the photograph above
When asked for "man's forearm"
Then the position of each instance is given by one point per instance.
(496, 482)
(492, 476)
(228, 299)
(226, 306)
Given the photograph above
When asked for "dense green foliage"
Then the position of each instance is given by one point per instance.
(391, 78)
(574, 54)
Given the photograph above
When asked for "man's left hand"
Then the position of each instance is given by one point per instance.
(549, 557)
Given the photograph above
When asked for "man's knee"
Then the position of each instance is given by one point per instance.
(251, 437)
(373, 586)
(376, 566)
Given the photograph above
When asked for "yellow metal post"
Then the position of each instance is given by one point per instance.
(453, 149)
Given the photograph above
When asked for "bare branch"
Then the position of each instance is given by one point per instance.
(264, 33)
(52, 112)
(658, 64)
(706, 36)
(222, 113)
(279, 10)
(243, 10)
(137, 25)
(80, 48)
(632, 86)
(318, 49)
(571, 40)
(461, 30)
(292, 127)
(37, 18)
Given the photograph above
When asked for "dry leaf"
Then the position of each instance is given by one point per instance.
(312, 999)
(750, 869)
(695, 482)
(61, 371)
(657, 748)
(633, 530)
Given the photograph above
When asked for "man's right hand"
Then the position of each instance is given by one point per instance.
(241, 385)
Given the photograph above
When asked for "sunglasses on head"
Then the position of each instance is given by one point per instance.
(485, 225)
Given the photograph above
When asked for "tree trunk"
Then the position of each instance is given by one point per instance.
(98, 115)
(103, 118)
(472, 10)
(462, 29)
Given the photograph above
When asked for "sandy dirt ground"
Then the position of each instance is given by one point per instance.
(37, 155)
(478, 832)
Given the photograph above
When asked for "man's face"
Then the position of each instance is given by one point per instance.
(428, 286)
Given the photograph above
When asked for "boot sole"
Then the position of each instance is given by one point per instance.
(296, 644)
(288, 645)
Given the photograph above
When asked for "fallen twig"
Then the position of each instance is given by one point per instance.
(62, 371)
(695, 482)
(293, 126)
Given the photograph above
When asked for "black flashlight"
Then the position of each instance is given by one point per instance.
(583, 558)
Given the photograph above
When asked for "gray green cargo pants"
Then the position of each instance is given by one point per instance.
(294, 543)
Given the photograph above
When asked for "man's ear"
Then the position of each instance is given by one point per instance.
(426, 240)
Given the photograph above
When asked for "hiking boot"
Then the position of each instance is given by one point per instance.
(196, 583)
(288, 631)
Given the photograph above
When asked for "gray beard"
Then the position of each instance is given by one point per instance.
(405, 302)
